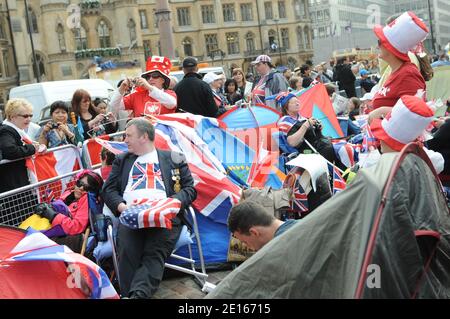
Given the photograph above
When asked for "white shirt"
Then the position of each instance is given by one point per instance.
(145, 180)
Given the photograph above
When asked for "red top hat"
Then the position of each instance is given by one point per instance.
(409, 117)
(402, 35)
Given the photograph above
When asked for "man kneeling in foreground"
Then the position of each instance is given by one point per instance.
(252, 224)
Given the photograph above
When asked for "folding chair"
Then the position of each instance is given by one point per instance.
(287, 152)
(190, 268)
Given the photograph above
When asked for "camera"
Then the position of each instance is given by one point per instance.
(106, 119)
(317, 125)
(55, 125)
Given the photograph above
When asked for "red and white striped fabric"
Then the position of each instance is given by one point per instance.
(402, 35)
(408, 119)
(145, 214)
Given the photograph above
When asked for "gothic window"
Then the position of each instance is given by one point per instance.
(208, 14)
(211, 43)
(80, 38)
(103, 34)
(246, 12)
(232, 42)
(282, 9)
(250, 41)
(32, 23)
(285, 38)
(187, 47)
(301, 43)
(229, 14)
(143, 18)
(268, 10)
(184, 17)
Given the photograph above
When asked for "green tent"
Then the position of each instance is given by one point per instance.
(386, 236)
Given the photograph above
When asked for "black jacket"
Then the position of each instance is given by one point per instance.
(112, 192)
(344, 75)
(195, 96)
(14, 174)
(441, 143)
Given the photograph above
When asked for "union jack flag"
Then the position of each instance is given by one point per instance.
(369, 140)
(35, 246)
(286, 123)
(338, 181)
(49, 195)
(147, 176)
(300, 201)
(346, 152)
(157, 213)
(113, 146)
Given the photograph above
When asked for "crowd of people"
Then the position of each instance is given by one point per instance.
(393, 101)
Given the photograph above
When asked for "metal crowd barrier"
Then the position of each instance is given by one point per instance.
(51, 150)
(18, 204)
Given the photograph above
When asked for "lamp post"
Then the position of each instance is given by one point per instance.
(222, 55)
(278, 39)
(211, 56)
(433, 44)
(29, 23)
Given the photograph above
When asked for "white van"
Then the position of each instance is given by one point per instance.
(202, 71)
(42, 95)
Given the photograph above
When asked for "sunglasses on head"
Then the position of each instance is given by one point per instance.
(85, 186)
(154, 75)
(25, 116)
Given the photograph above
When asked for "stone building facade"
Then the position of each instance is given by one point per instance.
(68, 35)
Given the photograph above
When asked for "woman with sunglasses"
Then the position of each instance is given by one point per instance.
(395, 41)
(69, 215)
(16, 144)
(151, 96)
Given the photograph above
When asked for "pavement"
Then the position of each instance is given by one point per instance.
(185, 287)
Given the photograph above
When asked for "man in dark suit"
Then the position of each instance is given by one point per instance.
(145, 172)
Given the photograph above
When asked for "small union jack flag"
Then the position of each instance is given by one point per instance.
(369, 140)
(300, 201)
(338, 181)
(158, 213)
(147, 176)
(49, 195)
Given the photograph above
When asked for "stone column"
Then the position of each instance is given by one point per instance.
(162, 13)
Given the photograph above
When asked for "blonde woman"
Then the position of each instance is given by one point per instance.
(15, 144)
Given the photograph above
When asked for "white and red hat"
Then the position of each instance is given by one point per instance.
(159, 64)
(402, 35)
(409, 117)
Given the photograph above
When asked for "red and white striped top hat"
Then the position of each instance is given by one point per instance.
(402, 35)
(409, 117)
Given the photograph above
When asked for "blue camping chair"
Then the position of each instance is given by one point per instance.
(287, 152)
